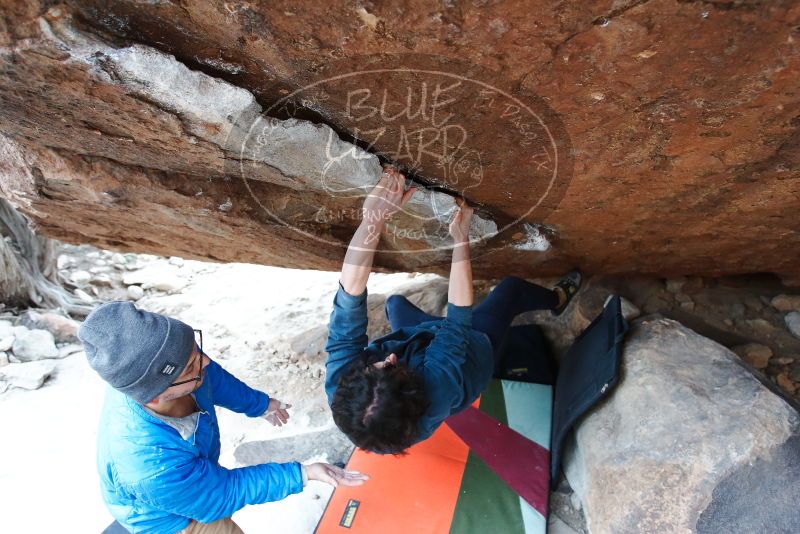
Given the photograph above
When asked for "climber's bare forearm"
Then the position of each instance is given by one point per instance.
(360, 255)
(460, 288)
(384, 200)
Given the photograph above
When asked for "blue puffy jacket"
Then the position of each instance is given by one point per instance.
(155, 481)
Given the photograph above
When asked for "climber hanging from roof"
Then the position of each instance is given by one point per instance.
(394, 392)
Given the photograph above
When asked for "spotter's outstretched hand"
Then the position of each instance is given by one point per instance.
(334, 475)
(277, 413)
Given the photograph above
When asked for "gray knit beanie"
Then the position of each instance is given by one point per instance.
(137, 352)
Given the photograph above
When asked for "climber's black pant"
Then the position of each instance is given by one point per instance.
(493, 316)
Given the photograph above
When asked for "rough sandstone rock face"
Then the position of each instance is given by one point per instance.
(689, 441)
(654, 136)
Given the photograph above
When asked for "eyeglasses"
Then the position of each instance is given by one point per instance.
(198, 336)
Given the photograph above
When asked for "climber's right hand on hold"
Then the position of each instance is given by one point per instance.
(459, 290)
(387, 198)
(459, 226)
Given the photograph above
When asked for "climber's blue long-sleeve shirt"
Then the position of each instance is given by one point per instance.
(454, 360)
(155, 481)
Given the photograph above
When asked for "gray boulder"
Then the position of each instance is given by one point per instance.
(32, 345)
(6, 343)
(64, 329)
(135, 292)
(629, 310)
(793, 323)
(69, 350)
(689, 441)
(159, 276)
(80, 278)
(6, 329)
(329, 443)
(311, 342)
(31, 375)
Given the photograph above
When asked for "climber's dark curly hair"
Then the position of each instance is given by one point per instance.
(379, 408)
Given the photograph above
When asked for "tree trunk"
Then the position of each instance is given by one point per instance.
(28, 272)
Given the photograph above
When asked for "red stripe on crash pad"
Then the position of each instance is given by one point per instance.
(522, 464)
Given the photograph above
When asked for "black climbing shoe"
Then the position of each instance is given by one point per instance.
(570, 285)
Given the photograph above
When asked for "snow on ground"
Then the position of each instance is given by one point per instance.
(48, 478)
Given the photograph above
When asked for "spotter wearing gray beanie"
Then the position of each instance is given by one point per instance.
(138, 353)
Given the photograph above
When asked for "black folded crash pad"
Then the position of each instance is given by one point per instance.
(525, 357)
(586, 373)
